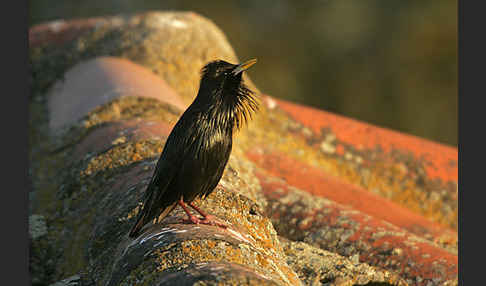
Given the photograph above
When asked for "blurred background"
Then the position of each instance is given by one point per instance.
(392, 63)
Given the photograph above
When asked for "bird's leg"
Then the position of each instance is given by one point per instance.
(208, 219)
(190, 217)
(201, 212)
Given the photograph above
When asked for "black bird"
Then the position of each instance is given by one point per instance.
(198, 148)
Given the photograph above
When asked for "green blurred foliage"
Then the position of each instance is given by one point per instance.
(387, 62)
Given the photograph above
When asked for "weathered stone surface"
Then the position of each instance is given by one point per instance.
(57, 33)
(172, 45)
(215, 274)
(250, 241)
(320, 267)
(74, 280)
(418, 174)
(118, 133)
(328, 186)
(41, 252)
(300, 216)
(37, 226)
(89, 180)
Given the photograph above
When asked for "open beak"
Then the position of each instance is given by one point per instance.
(244, 66)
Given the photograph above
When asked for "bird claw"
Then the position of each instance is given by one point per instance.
(212, 220)
(208, 220)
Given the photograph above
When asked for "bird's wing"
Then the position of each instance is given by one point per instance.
(165, 171)
(178, 147)
(157, 199)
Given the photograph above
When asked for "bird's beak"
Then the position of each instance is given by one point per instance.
(244, 66)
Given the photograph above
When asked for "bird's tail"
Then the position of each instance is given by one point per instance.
(141, 221)
(144, 218)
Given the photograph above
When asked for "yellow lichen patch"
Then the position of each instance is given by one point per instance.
(131, 107)
(119, 140)
(133, 213)
(136, 157)
(122, 155)
(196, 251)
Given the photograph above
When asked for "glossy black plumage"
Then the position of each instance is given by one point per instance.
(198, 148)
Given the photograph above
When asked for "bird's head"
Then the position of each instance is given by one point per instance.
(222, 86)
(220, 72)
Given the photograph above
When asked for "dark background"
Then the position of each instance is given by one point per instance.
(392, 63)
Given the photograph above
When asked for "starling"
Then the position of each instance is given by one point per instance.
(198, 148)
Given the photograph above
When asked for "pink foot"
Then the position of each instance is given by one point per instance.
(192, 219)
(212, 220)
(208, 220)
